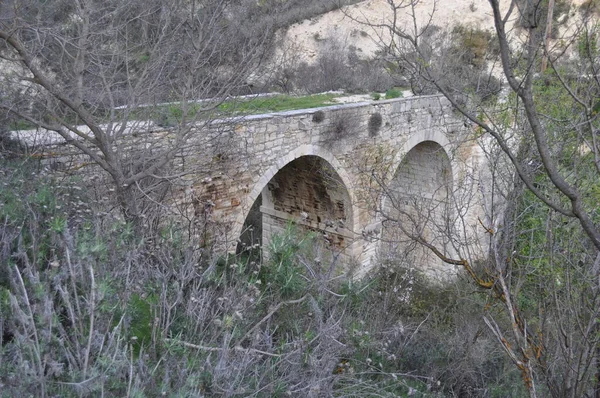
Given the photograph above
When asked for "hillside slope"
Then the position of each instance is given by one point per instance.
(348, 25)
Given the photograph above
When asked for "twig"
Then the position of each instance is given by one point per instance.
(269, 315)
(217, 349)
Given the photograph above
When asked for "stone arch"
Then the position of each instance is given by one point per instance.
(418, 203)
(304, 151)
(415, 139)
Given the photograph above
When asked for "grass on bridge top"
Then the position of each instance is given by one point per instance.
(172, 114)
(277, 103)
(169, 115)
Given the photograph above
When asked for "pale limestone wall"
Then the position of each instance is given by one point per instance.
(420, 202)
(227, 164)
(248, 154)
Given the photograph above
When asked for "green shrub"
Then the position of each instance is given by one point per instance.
(393, 93)
(282, 272)
(587, 45)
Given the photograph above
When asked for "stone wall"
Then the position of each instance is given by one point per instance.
(282, 158)
(327, 169)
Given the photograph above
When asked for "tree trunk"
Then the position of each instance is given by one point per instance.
(547, 35)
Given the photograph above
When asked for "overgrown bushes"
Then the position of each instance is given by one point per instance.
(474, 43)
(336, 67)
(88, 308)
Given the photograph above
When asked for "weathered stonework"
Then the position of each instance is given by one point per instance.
(330, 175)
(334, 173)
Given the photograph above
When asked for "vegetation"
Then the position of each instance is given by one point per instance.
(393, 93)
(541, 139)
(102, 293)
(338, 66)
(475, 43)
(375, 122)
(170, 115)
(278, 103)
(89, 308)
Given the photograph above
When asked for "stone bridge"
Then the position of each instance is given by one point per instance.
(369, 177)
(366, 176)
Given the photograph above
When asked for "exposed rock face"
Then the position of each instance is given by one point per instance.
(350, 24)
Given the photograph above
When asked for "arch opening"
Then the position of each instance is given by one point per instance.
(417, 205)
(306, 191)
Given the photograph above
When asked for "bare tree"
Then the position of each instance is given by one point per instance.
(95, 72)
(543, 263)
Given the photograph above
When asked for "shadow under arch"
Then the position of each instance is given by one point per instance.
(436, 137)
(304, 156)
(415, 139)
(417, 202)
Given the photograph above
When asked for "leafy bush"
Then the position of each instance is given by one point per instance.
(87, 308)
(282, 274)
(393, 93)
